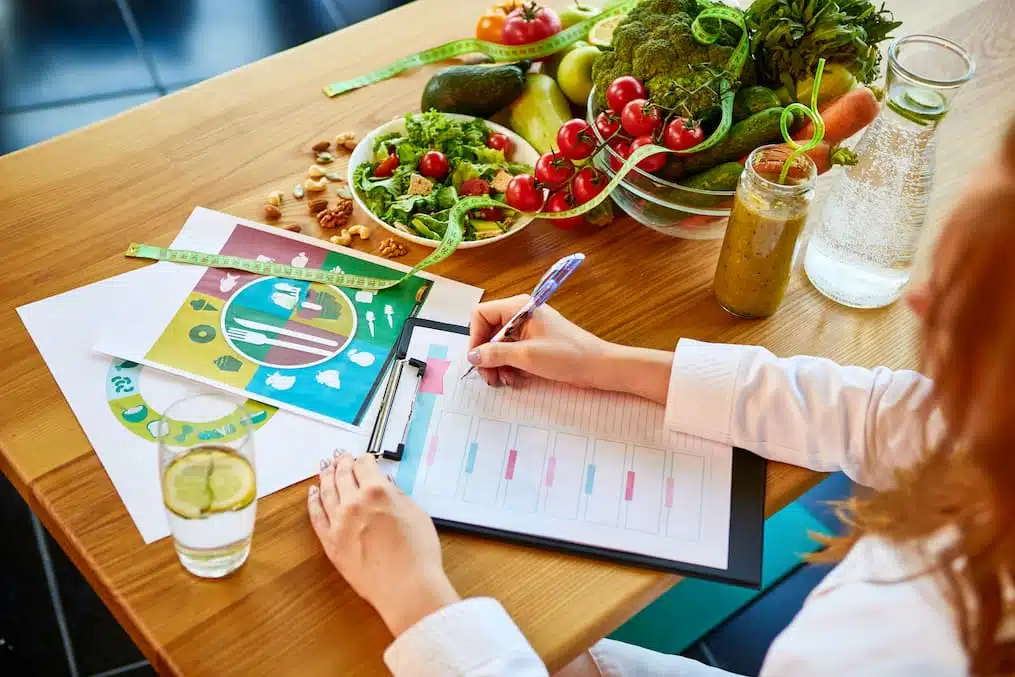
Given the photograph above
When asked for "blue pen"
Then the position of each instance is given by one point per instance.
(548, 284)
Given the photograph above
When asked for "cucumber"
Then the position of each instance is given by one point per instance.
(743, 137)
(721, 177)
(751, 100)
(479, 91)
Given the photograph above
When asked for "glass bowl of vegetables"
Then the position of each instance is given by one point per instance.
(407, 174)
(690, 211)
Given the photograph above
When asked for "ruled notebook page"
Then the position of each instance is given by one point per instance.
(561, 462)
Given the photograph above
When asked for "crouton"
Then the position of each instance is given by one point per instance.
(419, 185)
(501, 181)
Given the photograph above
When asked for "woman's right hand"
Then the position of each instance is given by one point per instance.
(549, 346)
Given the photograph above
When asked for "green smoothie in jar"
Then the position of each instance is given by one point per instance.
(764, 225)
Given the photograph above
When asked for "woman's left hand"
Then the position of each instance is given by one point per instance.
(367, 526)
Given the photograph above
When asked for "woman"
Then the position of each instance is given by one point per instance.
(924, 585)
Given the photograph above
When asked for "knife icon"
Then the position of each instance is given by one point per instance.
(250, 324)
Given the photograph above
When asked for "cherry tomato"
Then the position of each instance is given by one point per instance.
(608, 123)
(575, 139)
(490, 213)
(653, 163)
(623, 89)
(499, 141)
(682, 134)
(553, 170)
(640, 118)
(561, 201)
(474, 187)
(530, 23)
(387, 166)
(434, 164)
(588, 183)
(621, 147)
(523, 194)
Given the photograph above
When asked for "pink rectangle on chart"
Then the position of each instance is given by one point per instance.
(431, 453)
(669, 492)
(512, 457)
(629, 490)
(550, 467)
(433, 378)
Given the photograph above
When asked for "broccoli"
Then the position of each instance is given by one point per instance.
(654, 44)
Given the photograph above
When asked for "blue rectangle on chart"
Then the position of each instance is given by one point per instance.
(590, 479)
(470, 460)
(405, 477)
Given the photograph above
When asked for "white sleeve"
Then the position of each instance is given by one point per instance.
(473, 638)
(806, 411)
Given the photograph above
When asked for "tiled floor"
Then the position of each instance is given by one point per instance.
(67, 63)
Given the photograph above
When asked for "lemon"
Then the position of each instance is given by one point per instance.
(601, 34)
(208, 481)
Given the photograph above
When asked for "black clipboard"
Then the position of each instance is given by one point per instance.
(747, 513)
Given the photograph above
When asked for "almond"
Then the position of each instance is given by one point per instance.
(316, 206)
(272, 212)
(321, 146)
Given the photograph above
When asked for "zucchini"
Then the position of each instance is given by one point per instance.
(751, 100)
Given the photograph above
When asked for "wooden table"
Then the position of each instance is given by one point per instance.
(70, 206)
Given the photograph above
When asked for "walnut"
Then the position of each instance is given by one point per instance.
(392, 248)
(337, 216)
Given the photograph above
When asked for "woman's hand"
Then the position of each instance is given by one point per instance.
(549, 346)
(556, 349)
(384, 545)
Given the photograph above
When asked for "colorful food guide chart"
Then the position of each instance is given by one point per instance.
(308, 347)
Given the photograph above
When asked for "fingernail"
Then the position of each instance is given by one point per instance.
(337, 454)
(325, 463)
(473, 356)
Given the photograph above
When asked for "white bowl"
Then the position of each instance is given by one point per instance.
(523, 153)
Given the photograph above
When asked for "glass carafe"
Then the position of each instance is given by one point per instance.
(862, 250)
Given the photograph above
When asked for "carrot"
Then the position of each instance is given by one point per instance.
(824, 155)
(844, 116)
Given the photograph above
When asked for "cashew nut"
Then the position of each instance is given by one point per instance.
(316, 172)
(343, 238)
(275, 198)
(362, 231)
(315, 185)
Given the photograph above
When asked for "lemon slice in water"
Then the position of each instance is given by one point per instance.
(601, 34)
(208, 481)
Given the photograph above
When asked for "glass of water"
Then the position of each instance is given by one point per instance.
(209, 485)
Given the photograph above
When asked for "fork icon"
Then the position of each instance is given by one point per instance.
(258, 339)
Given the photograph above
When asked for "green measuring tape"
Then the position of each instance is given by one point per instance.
(704, 31)
(534, 50)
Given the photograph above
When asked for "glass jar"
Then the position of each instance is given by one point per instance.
(766, 221)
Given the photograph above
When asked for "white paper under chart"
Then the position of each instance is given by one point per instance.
(559, 462)
(288, 447)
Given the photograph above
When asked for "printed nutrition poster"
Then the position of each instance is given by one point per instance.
(313, 348)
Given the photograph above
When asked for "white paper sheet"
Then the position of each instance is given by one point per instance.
(559, 462)
(288, 446)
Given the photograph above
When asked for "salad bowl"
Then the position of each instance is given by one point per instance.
(522, 152)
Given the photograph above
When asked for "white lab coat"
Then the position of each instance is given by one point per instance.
(805, 411)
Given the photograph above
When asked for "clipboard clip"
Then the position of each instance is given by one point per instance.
(376, 443)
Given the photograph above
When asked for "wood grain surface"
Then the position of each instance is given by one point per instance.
(68, 208)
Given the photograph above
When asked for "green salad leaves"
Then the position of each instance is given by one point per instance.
(426, 215)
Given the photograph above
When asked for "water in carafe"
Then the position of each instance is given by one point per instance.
(862, 251)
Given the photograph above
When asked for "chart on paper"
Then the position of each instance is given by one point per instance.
(562, 462)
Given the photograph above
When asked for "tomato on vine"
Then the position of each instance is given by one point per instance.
(553, 170)
(588, 183)
(640, 118)
(524, 194)
(575, 139)
(623, 89)
(562, 201)
(608, 123)
(621, 147)
(653, 163)
(682, 134)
